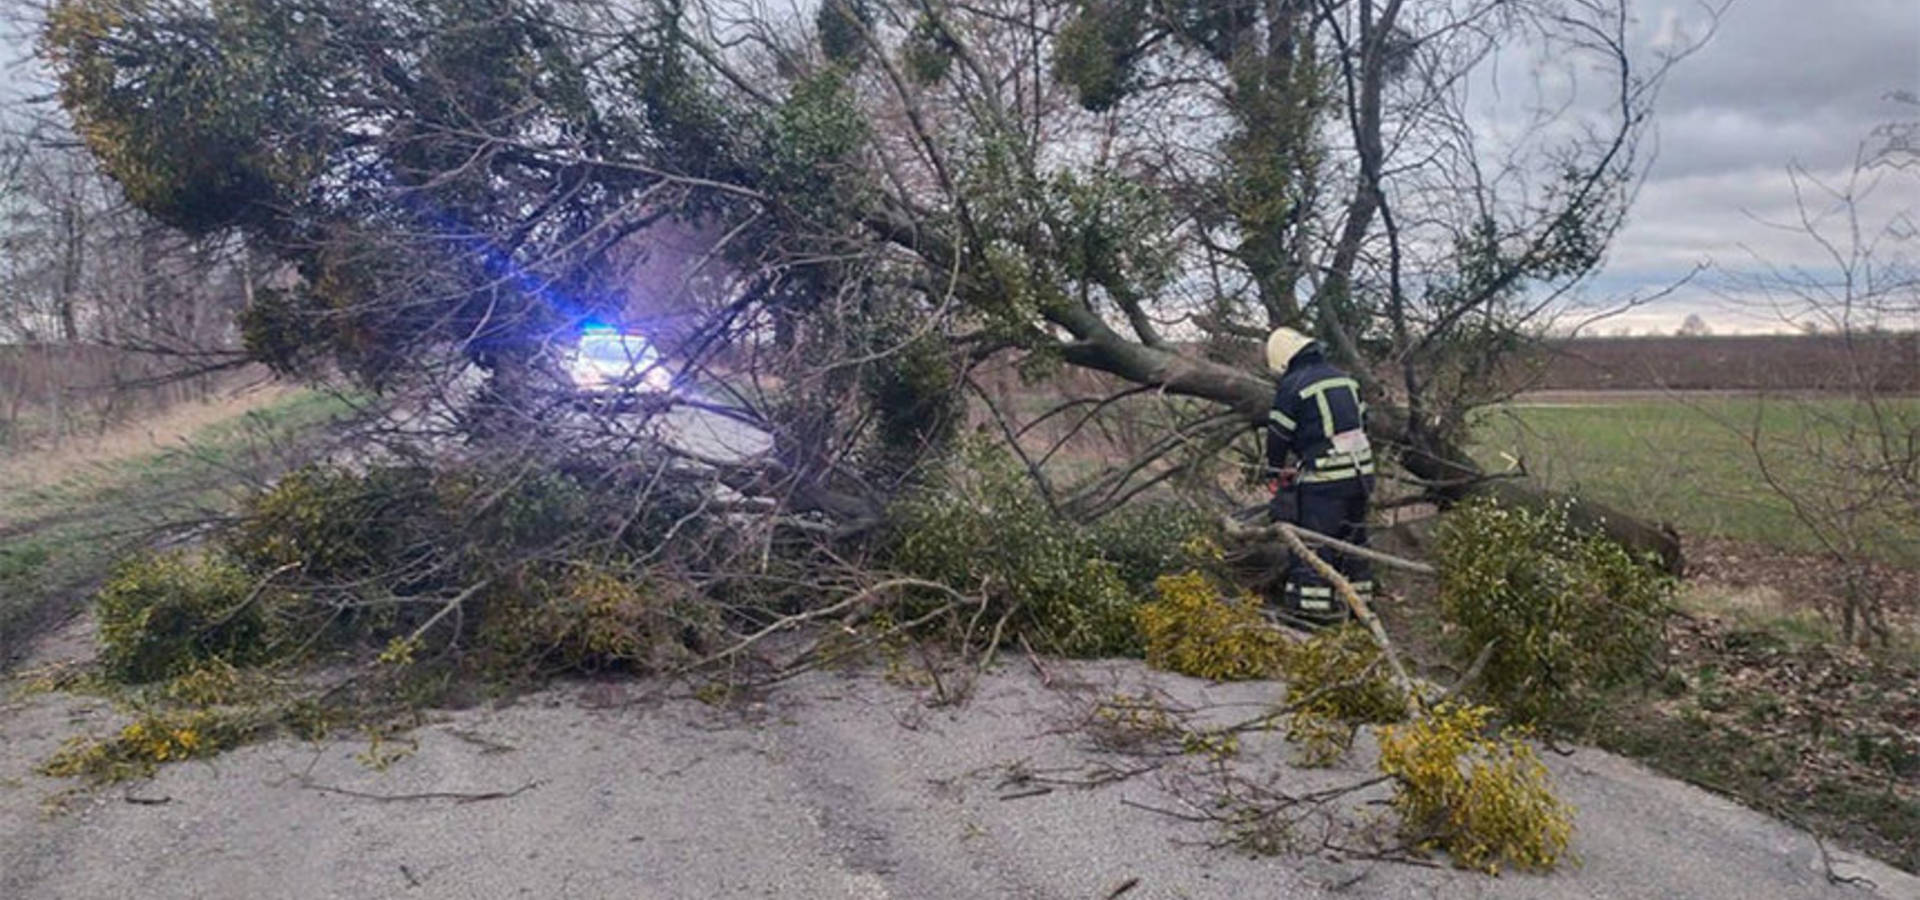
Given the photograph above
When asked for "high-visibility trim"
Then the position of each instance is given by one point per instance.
(1322, 590)
(1327, 384)
(1336, 459)
(1340, 474)
(1279, 418)
(1317, 392)
(1315, 604)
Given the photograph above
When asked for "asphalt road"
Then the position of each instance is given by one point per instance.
(835, 785)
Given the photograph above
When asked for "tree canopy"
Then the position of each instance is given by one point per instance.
(1137, 187)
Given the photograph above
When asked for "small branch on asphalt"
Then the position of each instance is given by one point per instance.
(1033, 659)
(1184, 817)
(794, 621)
(456, 796)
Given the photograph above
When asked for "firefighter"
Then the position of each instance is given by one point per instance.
(1317, 446)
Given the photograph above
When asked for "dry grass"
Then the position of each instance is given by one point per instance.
(169, 429)
(1757, 585)
(50, 393)
(1753, 708)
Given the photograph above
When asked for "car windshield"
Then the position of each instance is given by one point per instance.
(619, 350)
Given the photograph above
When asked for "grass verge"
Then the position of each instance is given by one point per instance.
(1825, 736)
(1760, 701)
(66, 516)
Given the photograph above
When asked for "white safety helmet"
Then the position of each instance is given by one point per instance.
(1282, 346)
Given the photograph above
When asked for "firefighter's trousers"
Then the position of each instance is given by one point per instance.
(1337, 509)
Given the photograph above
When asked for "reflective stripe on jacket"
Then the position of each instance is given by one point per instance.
(1318, 418)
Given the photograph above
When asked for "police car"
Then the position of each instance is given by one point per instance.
(613, 367)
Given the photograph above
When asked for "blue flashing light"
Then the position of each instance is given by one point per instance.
(597, 328)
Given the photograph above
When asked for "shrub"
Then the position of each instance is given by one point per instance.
(337, 536)
(163, 615)
(1567, 614)
(1336, 681)
(916, 407)
(335, 524)
(536, 509)
(215, 682)
(981, 527)
(341, 525)
(1149, 539)
(1194, 630)
(1345, 674)
(1484, 800)
(585, 616)
(331, 558)
(147, 742)
(376, 550)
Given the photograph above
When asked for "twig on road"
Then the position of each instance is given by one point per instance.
(1033, 659)
(456, 796)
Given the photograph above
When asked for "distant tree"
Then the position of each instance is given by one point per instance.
(1694, 326)
(1850, 471)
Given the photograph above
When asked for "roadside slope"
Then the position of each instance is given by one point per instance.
(68, 513)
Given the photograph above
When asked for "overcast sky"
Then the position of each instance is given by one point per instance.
(1781, 82)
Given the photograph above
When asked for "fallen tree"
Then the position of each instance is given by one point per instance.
(1447, 472)
(849, 212)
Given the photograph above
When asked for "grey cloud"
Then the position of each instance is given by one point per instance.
(1782, 81)
(1786, 80)
(1713, 140)
(1780, 59)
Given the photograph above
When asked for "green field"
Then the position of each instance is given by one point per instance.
(1692, 460)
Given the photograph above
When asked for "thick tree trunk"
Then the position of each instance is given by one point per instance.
(1097, 346)
(1454, 474)
(1457, 478)
(1639, 536)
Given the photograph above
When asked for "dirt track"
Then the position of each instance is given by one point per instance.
(834, 786)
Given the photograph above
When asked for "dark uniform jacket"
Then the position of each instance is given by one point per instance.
(1315, 403)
